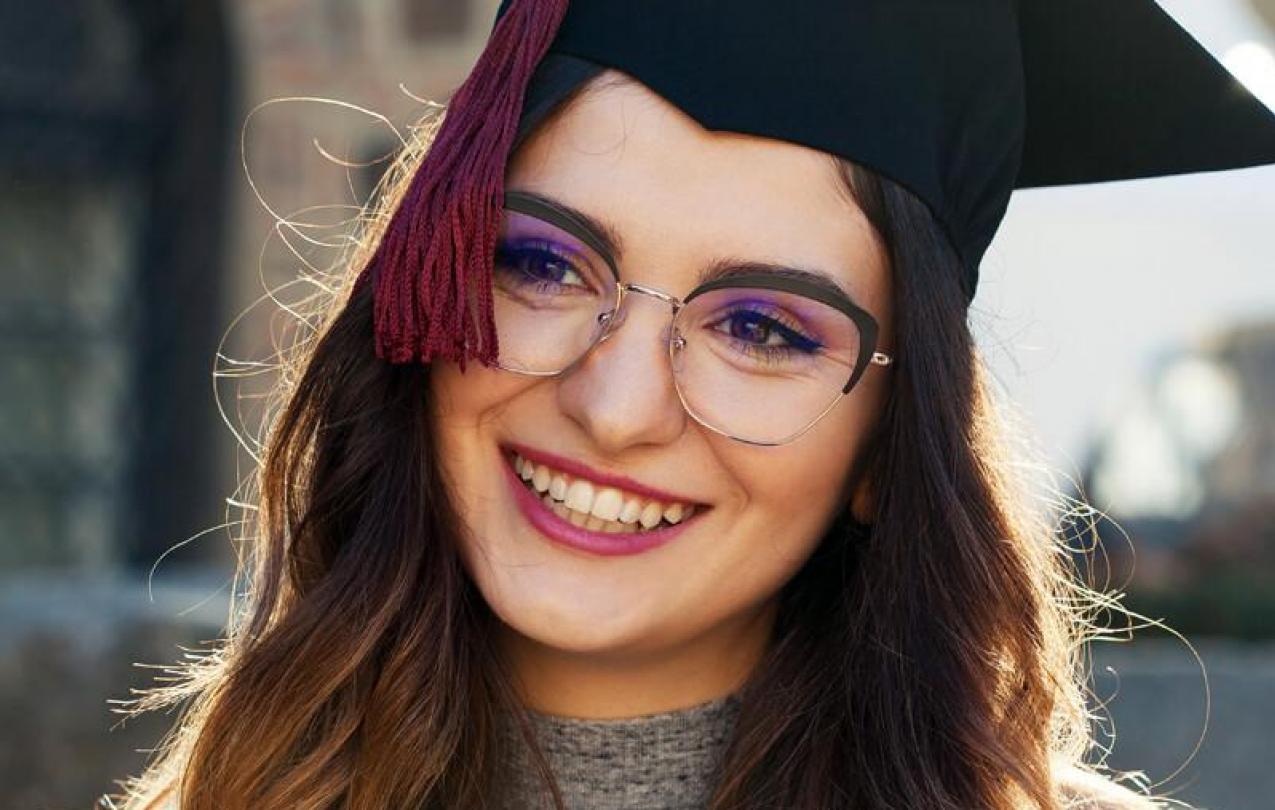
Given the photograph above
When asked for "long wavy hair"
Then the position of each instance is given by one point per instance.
(935, 660)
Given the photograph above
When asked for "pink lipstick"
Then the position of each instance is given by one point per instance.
(562, 531)
(579, 470)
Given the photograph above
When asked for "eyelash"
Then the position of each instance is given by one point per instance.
(787, 327)
(789, 330)
(543, 249)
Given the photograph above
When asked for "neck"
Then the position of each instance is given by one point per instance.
(636, 679)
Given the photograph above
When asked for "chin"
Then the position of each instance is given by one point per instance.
(579, 627)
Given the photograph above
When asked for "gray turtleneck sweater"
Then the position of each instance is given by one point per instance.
(665, 761)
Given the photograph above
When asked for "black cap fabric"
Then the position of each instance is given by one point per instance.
(1117, 90)
(961, 101)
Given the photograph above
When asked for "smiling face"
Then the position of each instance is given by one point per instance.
(678, 199)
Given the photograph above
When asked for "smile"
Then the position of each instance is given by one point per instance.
(597, 507)
(601, 517)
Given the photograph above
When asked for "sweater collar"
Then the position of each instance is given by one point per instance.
(668, 760)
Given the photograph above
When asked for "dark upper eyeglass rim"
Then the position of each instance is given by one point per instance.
(867, 324)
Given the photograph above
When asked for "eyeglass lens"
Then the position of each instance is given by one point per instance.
(756, 364)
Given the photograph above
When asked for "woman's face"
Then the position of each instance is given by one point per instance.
(679, 198)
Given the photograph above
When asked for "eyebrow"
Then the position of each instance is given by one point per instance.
(721, 268)
(729, 267)
(608, 236)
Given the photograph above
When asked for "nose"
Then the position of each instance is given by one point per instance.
(622, 392)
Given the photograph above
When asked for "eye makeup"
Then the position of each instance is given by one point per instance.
(606, 240)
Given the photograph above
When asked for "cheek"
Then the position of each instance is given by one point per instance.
(466, 398)
(792, 493)
(767, 542)
(784, 500)
(467, 410)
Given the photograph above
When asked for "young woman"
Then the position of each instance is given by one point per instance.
(728, 521)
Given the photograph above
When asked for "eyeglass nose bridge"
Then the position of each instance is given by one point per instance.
(610, 324)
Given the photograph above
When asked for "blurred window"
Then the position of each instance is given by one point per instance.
(111, 187)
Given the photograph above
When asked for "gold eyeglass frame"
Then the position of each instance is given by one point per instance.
(610, 320)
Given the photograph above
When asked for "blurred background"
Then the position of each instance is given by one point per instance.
(1132, 326)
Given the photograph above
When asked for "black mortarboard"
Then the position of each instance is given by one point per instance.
(961, 101)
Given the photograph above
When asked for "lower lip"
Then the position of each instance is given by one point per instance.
(577, 537)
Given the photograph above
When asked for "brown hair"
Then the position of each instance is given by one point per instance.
(931, 662)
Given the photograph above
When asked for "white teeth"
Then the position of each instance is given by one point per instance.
(651, 515)
(579, 496)
(607, 504)
(597, 508)
(540, 478)
(558, 487)
(632, 510)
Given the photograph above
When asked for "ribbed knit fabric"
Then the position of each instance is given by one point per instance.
(665, 761)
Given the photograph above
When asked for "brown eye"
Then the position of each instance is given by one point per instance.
(537, 263)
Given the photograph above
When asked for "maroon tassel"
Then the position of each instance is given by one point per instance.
(432, 269)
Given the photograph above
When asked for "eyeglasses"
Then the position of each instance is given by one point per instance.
(756, 356)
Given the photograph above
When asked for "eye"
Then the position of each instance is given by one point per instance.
(537, 262)
(759, 330)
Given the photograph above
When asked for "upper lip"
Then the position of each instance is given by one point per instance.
(575, 468)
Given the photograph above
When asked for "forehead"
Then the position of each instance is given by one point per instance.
(680, 196)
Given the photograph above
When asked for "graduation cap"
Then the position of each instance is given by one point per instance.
(960, 101)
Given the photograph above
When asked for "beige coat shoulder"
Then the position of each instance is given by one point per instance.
(1079, 789)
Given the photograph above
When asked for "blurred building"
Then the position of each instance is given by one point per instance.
(129, 242)
(1188, 470)
(130, 239)
(114, 129)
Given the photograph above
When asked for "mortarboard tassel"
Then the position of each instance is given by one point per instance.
(432, 268)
